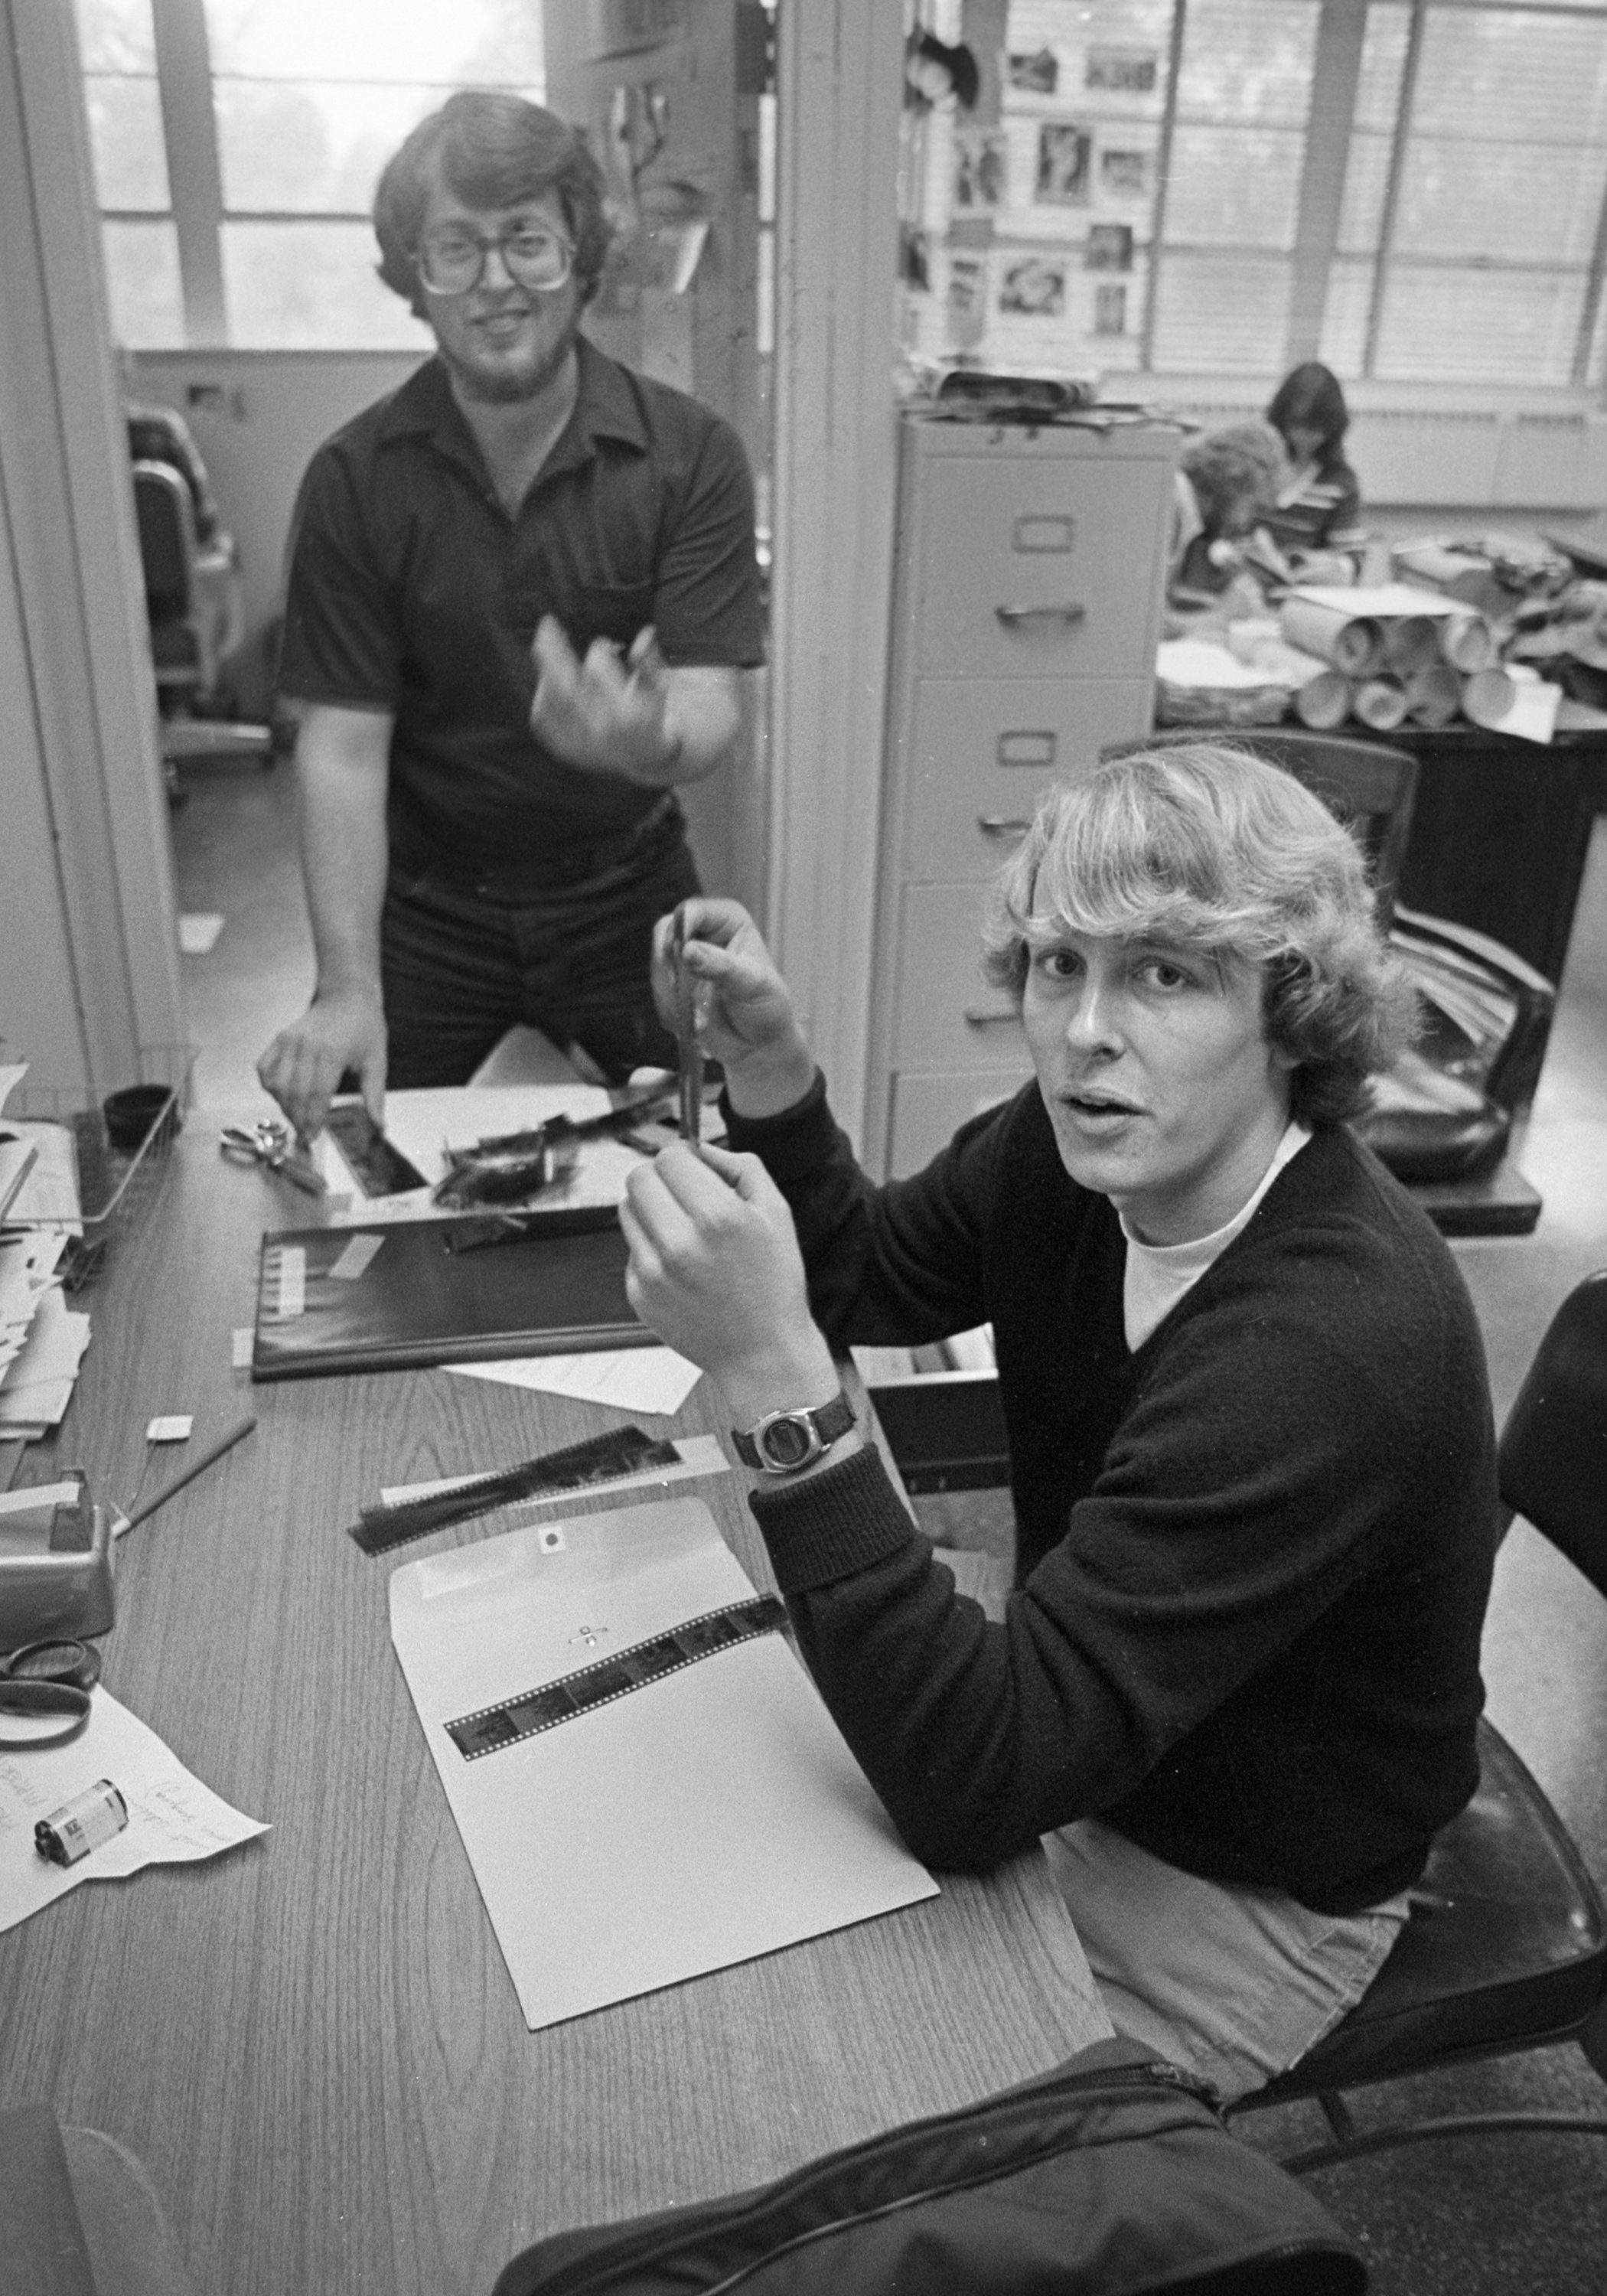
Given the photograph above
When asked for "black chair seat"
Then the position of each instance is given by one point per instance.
(1507, 1943)
(1437, 1143)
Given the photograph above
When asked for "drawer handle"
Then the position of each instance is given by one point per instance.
(1015, 617)
(975, 1019)
(1002, 824)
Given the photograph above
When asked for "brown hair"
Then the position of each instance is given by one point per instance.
(493, 150)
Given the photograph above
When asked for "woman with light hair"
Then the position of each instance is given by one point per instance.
(1234, 1686)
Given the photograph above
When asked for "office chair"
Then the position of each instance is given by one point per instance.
(194, 604)
(1446, 1110)
(1506, 1946)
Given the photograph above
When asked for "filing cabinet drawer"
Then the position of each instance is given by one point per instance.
(1039, 569)
(982, 751)
(928, 1111)
(948, 1017)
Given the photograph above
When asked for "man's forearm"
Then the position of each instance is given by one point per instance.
(344, 861)
(702, 717)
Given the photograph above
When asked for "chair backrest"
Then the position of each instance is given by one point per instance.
(1554, 1447)
(1371, 788)
(165, 518)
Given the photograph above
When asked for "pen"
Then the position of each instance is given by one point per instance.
(196, 1467)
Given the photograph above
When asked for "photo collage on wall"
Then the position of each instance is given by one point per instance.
(1067, 185)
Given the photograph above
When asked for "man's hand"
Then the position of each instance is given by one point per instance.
(303, 1066)
(715, 1270)
(604, 715)
(745, 1016)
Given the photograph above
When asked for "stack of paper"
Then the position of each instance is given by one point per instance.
(36, 1386)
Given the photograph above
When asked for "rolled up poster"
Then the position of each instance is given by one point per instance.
(1410, 640)
(1381, 703)
(1467, 642)
(1487, 696)
(1433, 694)
(1324, 700)
(1352, 642)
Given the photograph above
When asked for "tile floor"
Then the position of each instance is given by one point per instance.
(1468, 2218)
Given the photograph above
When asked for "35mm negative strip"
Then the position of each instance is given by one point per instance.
(492, 1727)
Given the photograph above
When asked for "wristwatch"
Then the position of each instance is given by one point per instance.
(783, 1441)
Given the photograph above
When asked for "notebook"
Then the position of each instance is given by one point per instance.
(400, 1297)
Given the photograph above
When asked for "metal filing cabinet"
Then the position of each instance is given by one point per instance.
(1028, 591)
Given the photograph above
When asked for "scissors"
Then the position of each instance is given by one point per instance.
(48, 1678)
(270, 1143)
(687, 1036)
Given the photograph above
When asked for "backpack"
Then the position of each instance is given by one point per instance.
(1111, 2176)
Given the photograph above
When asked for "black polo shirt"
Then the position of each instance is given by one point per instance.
(413, 591)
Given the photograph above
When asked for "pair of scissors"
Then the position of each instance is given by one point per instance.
(271, 1145)
(48, 1678)
(687, 1036)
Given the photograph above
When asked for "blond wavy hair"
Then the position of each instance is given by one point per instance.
(1208, 847)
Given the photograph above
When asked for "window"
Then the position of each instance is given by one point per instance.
(1414, 191)
(236, 144)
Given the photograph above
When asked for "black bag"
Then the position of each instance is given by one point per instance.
(1113, 2176)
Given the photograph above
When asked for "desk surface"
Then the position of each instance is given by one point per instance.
(312, 2042)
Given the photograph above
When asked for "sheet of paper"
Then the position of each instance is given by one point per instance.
(37, 1386)
(651, 1380)
(173, 1818)
(700, 1454)
(50, 1190)
(704, 1819)
(1202, 661)
(1532, 716)
(12, 1073)
(198, 932)
(1382, 601)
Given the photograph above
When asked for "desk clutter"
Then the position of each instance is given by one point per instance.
(1499, 636)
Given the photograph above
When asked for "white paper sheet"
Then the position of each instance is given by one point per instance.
(704, 1818)
(700, 1454)
(50, 1190)
(1383, 602)
(12, 1073)
(655, 1381)
(198, 932)
(37, 1386)
(173, 1818)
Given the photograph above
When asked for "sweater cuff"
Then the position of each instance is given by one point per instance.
(832, 1524)
(794, 1137)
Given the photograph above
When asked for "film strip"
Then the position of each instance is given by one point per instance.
(492, 1727)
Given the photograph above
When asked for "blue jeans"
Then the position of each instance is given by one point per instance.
(462, 962)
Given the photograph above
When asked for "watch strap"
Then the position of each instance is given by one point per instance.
(825, 1423)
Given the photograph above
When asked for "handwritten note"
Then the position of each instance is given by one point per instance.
(173, 1819)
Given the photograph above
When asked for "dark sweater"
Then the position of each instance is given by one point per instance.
(1253, 1557)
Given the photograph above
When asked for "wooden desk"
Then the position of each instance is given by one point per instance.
(312, 2042)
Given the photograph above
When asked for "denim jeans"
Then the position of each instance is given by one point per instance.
(461, 962)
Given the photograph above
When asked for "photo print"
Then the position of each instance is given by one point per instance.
(1064, 156)
(967, 286)
(1036, 75)
(1125, 175)
(1122, 71)
(1034, 287)
(1110, 247)
(1109, 310)
(980, 170)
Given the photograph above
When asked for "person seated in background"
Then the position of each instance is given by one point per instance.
(1317, 512)
(1226, 482)
(1252, 1456)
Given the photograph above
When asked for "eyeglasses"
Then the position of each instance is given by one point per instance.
(452, 261)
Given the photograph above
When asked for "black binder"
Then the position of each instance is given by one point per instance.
(436, 1291)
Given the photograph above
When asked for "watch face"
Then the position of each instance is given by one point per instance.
(787, 1442)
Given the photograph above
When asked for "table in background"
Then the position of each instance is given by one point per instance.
(313, 2042)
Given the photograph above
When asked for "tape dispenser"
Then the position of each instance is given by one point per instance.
(55, 1562)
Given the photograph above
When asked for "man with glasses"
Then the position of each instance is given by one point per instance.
(522, 591)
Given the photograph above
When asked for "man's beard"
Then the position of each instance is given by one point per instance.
(511, 386)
